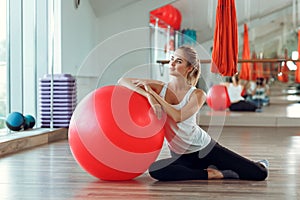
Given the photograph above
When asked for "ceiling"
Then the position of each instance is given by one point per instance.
(272, 23)
(104, 7)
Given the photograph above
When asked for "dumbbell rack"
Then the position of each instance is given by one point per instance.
(58, 102)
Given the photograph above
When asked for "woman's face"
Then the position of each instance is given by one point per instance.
(178, 64)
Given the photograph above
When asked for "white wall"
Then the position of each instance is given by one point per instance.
(98, 51)
(78, 34)
(77, 39)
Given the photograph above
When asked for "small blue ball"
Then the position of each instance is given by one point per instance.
(15, 121)
(29, 121)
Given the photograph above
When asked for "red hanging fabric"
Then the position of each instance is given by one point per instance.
(259, 70)
(254, 67)
(297, 72)
(225, 48)
(274, 69)
(283, 76)
(267, 71)
(246, 69)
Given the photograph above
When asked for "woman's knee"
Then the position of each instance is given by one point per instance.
(155, 171)
(154, 174)
(158, 175)
(159, 170)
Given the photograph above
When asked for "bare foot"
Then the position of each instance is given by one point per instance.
(214, 174)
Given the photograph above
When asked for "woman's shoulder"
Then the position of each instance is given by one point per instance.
(199, 92)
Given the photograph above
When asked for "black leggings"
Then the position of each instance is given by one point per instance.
(242, 106)
(193, 166)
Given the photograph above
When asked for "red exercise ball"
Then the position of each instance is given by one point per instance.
(167, 15)
(114, 134)
(218, 98)
(177, 20)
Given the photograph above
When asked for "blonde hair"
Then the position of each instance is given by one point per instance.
(191, 56)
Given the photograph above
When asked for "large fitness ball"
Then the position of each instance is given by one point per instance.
(218, 98)
(114, 134)
(15, 121)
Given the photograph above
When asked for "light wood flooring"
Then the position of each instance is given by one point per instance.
(50, 172)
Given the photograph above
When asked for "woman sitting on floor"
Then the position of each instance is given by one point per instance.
(194, 154)
(238, 103)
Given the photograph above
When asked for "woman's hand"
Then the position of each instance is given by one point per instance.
(141, 83)
(153, 102)
(157, 109)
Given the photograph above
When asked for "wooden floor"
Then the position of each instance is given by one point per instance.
(50, 172)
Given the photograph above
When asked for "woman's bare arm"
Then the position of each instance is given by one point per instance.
(132, 84)
(128, 82)
(196, 101)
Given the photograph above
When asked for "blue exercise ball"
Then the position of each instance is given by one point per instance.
(15, 121)
(29, 121)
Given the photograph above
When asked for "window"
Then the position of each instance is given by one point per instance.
(3, 67)
(23, 56)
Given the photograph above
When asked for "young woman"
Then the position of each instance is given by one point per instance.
(194, 154)
(238, 103)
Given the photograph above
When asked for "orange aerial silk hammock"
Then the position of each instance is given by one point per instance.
(225, 47)
(267, 71)
(254, 67)
(283, 75)
(297, 72)
(257, 68)
(245, 73)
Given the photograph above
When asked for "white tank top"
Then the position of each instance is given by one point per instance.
(235, 93)
(185, 136)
